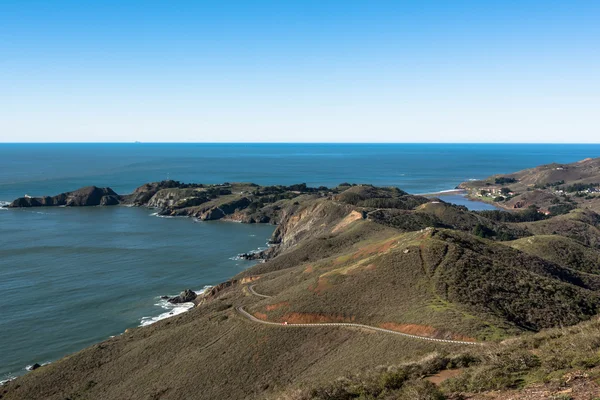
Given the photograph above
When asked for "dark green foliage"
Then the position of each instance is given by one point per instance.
(530, 214)
(499, 198)
(449, 216)
(580, 187)
(373, 197)
(505, 191)
(180, 185)
(548, 185)
(502, 370)
(504, 180)
(407, 221)
(214, 192)
(562, 251)
(546, 356)
(395, 382)
(483, 231)
(278, 189)
(561, 209)
(529, 292)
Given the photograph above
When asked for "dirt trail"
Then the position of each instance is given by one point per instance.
(252, 318)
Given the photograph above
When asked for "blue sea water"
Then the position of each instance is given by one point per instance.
(72, 277)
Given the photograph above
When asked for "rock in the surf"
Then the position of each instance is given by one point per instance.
(184, 297)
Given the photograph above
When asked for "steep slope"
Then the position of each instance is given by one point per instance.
(580, 225)
(562, 251)
(557, 364)
(366, 255)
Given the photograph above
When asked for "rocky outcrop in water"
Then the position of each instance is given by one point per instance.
(87, 196)
(184, 297)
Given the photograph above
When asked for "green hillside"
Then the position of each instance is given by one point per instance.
(417, 269)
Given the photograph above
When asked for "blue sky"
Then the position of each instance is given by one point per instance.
(300, 71)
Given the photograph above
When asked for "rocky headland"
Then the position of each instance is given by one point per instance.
(87, 196)
(365, 292)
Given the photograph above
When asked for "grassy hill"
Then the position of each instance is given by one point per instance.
(560, 249)
(555, 188)
(360, 254)
(557, 364)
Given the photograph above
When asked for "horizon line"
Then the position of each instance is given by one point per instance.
(317, 143)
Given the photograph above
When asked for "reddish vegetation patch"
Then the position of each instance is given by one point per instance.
(322, 286)
(249, 279)
(308, 318)
(309, 269)
(424, 330)
(444, 375)
(375, 249)
(260, 315)
(277, 306)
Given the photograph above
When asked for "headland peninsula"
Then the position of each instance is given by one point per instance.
(366, 292)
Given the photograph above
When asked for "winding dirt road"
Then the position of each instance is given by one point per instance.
(252, 318)
(251, 290)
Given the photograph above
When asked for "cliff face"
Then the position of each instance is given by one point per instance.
(87, 196)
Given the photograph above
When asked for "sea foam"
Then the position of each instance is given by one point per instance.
(30, 367)
(172, 309)
(156, 214)
(8, 379)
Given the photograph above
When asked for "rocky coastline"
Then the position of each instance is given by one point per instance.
(351, 254)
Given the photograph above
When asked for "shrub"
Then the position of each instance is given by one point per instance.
(420, 390)
(504, 180)
(483, 231)
(561, 209)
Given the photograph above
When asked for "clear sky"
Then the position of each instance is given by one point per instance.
(300, 71)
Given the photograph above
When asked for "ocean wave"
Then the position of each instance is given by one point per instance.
(449, 191)
(7, 379)
(256, 251)
(172, 309)
(4, 204)
(156, 214)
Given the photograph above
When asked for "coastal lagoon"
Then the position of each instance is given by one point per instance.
(71, 277)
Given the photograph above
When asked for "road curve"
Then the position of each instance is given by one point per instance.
(251, 289)
(343, 324)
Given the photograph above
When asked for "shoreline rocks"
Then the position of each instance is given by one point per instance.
(33, 367)
(186, 296)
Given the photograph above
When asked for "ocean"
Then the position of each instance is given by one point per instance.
(70, 277)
